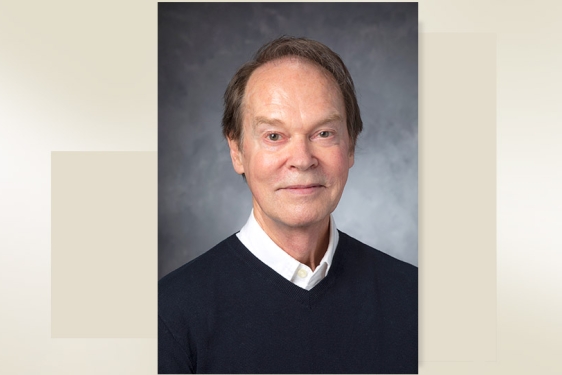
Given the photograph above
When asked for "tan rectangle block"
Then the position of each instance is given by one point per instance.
(457, 197)
(103, 244)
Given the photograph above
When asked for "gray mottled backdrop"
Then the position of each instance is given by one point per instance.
(200, 46)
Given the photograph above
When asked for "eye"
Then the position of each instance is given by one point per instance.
(324, 134)
(273, 137)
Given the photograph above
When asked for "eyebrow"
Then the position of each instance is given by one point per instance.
(267, 121)
(273, 121)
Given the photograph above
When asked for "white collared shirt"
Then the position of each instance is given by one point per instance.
(258, 242)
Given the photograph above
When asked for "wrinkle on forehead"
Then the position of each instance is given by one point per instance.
(281, 87)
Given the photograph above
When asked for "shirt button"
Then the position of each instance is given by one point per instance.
(302, 273)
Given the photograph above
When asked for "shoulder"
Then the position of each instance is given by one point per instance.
(199, 275)
(387, 270)
(184, 297)
(362, 250)
(388, 284)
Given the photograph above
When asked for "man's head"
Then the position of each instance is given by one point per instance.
(291, 132)
(286, 46)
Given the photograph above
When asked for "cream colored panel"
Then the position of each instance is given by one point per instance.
(457, 197)
(104, 226)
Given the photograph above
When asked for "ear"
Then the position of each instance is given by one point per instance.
(351, 158)
(236, 156)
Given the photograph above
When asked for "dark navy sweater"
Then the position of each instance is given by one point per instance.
(228, 312)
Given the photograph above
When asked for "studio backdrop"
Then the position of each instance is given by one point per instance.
(201, 200)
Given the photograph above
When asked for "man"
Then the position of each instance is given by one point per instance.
(289, 293)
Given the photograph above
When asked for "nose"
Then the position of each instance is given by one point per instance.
(301, 154)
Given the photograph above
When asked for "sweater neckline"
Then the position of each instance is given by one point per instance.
(268, 275)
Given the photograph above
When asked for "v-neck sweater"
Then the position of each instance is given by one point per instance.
(255, 239)
(228, 312)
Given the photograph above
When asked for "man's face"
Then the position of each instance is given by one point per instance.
(295, 148)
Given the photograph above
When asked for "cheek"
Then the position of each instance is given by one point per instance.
(339, 165)
(265, 167)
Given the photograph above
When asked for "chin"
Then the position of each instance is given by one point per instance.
(300, 219)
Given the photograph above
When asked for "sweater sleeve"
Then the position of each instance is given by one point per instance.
(172, 357)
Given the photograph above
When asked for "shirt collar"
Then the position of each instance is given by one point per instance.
(262, 246)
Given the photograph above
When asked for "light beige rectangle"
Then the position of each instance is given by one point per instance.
(103, 244)
(457, 197)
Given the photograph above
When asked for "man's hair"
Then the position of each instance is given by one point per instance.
(287, 46)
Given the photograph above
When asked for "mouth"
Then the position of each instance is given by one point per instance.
(303, 189)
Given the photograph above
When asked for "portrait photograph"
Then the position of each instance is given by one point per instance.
(288, 187)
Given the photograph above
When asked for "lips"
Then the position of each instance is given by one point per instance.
(303, 189)
(309, 186)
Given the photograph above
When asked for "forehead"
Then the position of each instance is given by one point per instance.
(292, 80)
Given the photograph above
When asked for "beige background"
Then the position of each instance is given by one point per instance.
(103, 215)
(82, 77)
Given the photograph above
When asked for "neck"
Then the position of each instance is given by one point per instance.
(305, 244)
